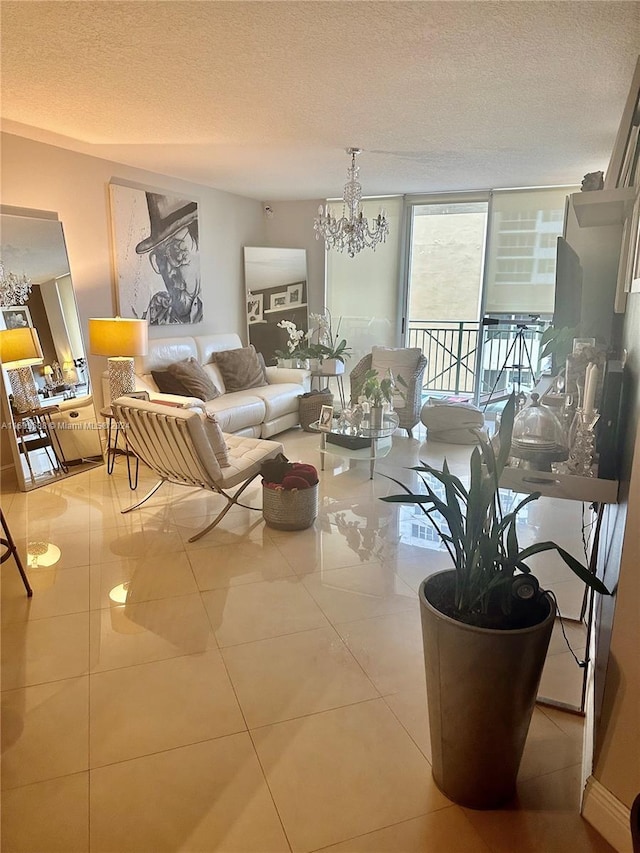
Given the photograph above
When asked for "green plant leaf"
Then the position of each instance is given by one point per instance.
(581, 571)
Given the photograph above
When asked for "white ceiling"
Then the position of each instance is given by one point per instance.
(262, 98)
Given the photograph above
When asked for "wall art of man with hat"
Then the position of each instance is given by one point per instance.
(172, 247)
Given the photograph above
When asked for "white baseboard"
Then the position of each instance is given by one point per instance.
(607, 815)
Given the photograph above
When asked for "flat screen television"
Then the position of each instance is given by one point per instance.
(567, 308)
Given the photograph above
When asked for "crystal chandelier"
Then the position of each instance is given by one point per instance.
(352, 231)
(14, 289)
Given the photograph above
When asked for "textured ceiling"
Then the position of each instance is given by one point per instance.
(262, 98)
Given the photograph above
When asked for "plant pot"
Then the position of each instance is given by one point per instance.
(285, 362)
(376, 417)
(332, 366)
(481, 689)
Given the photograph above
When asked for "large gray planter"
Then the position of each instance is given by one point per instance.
(481, 689)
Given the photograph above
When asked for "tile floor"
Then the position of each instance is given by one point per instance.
(253, 691)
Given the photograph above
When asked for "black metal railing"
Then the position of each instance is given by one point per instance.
(510, 354)
(451, 349)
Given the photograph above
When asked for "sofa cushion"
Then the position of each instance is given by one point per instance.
(216, 439)
(195, 381)
(280, 399)
(237, 411)
(240, 368)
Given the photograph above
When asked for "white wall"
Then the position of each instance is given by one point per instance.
(291, 227)
(75, 186)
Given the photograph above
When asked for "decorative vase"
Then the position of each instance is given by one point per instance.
(376, 417)
(332, 366)
(481, 688)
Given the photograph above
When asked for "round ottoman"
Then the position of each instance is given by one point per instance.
(454, 423)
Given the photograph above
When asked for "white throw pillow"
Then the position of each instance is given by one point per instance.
(216, 439)
(400, 361)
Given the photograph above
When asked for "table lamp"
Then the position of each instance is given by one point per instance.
(48, 374)
(119, 339)
(19, 349)
(69, 372)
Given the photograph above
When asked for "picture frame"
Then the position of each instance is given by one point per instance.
(16, 317)
(279, 300)
(294, 294)
(255, 308)
(326, 418)
(156, 255)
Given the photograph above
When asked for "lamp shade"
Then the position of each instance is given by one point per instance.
(118, 336)
(48, 370)
(20, 347)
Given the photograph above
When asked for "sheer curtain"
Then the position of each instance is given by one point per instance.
(362, 292)
(524, 226)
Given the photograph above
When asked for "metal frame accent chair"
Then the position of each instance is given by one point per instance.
(174, 443)
(409, 414)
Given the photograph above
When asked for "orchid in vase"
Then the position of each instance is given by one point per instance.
(297, 348)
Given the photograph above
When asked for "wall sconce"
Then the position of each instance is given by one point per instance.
(120, 339)
(19, 350)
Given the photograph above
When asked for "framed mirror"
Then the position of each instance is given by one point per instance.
(276, 282)
(48, 412)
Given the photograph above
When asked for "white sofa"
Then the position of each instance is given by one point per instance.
(255, 412)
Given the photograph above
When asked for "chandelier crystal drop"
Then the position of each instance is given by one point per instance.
(352, 231)
(14, 289)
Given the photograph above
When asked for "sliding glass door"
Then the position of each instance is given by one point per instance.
(444, 289)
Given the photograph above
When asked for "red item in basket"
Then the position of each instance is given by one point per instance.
(293, 482)
(303, 469)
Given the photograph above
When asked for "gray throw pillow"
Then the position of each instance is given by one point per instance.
(240, 368)
(167, 383)
(191, 375)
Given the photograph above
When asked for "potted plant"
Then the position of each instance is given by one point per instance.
(297, 351)
(486, 626)
(330, 349)
(377, 392)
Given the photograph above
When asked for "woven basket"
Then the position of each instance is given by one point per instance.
(293, 509)
(309, 408)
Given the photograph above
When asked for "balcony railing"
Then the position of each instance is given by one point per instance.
(510, 354)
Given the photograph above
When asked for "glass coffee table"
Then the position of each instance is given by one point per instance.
(367, 443)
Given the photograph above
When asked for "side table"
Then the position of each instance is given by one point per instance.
(35, 430)
(319, 375)
(113, 425)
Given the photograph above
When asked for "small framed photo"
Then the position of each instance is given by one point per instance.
(326, 418)
(16, 317)
(255, 305)
(294, 294)
(279, 300)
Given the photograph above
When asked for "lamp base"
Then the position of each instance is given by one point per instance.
(23, 388)
(121, 376)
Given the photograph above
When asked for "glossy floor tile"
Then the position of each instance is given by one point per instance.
(257, 690)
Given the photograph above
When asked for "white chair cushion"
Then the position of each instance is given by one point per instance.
(400, 361)
(246, 456)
